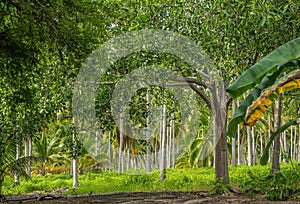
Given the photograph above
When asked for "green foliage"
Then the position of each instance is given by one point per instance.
(219, 188)
(264, 158)
(275, 187)
(257, 75)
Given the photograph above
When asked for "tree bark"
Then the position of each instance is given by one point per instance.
(276, 148)
(220, 118)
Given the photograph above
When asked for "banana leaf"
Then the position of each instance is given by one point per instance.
(268, 81)
(255, 74)
(258, 108)
(265, 157)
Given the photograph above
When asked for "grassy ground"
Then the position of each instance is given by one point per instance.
(201, 179)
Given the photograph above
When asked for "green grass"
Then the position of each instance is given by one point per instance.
(201, 179)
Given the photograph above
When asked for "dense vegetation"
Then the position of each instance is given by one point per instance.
(44, 44)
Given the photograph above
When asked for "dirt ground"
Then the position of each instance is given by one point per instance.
(143, 197)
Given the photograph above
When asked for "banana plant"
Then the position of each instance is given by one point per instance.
(261, 76)
(258, 108)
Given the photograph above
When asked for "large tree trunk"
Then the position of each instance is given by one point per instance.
(219, 100)
(276, 148)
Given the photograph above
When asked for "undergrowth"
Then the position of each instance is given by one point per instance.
(252, 180)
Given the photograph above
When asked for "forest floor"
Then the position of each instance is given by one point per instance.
(141, 197)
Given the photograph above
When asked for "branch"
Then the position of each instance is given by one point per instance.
(196, 81)
(202, 95)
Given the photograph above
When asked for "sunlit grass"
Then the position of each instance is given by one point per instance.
(200, 179)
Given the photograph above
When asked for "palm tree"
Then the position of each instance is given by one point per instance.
(8, 161)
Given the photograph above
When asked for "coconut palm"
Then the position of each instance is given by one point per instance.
(8, 161)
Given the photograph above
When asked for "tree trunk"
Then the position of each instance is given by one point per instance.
(253, 146)
(18, 154)
(74, 159)
(148, 134)
(233, 145)
(276, 148)
(75, 172)
(285, 148)
(239, 147)
(220, 118)
(28, 152)
(120, 159)
(173, 140)
(163, 146)
(249, 158)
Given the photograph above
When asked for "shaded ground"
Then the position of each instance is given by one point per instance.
(143, 197)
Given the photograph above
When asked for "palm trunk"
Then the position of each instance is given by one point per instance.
(276, 148)
(120, 160)
(249, 159)
(253, 145)
(173, 140)
(28, 152)
(239, 147)
(74, 159)
(18, 154)
(163, 146)
(285, 148)
(233, 145)
(148, 134)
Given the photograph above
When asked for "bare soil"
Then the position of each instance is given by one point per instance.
(141, 197)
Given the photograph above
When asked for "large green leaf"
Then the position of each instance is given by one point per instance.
(268, 81)
(265, 157)
(257, 110)
(268, 64)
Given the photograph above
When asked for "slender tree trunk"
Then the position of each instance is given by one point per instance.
(28, 152)
(239, 145)
(148, 134)
(276, 149)
(298, 138)
(249, 159)
(128, 155)
(294, 143)
(261, 145)
(233, 145)
(163, 146)
(173, 140)
(291, 144)
(98, 141)
(18, 154)
(74, 159)
(253, 145)
(269, 135)
(109, 151)
(285, 148)
(120, 160)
